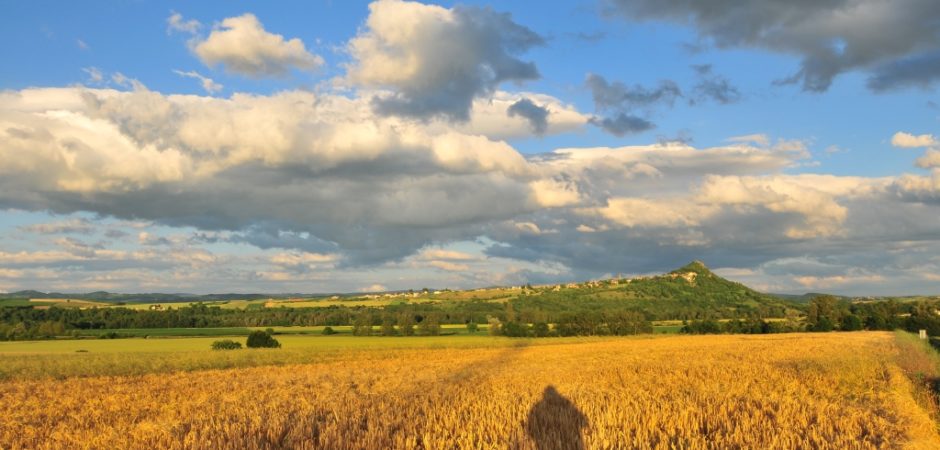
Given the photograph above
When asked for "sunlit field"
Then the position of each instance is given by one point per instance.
(829, 391)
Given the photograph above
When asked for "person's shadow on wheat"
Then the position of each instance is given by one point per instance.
(555, 423)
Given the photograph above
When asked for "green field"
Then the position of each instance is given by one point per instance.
(447, 329)
(138, 356)
(666, 327)
(46, 302)
(282, 303)
(185, 344)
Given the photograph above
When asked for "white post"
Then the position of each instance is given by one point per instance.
(923, 334)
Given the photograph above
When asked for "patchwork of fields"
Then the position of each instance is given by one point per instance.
(827, 391)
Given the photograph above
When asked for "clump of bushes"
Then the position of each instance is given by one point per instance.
(226, 344)
(329, 331)
(262, 339)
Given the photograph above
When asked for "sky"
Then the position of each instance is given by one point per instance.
(326, 146)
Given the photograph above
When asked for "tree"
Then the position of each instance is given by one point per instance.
(363, 324)
(851, 322)
(430, 326)
(823, 313)
(494, 326)
(261, 339)
(388, 326)
(623, 323)
(510, 312)
(472, 327)
(329, 331)
(515, 329)
(226, 344)
(701, 327)
(540, 329)
(406, 324)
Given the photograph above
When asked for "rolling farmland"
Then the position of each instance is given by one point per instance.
(839, 391)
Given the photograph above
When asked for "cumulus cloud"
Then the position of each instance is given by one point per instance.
(491, 117)
(320, 181)
(730, 205)
(141, 154)
(210, 86)
(241, 45)
(436, 60)
(907, 140)
(896, 41)
(930, 160)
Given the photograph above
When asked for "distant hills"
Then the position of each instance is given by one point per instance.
(689, 292)
(140, 298)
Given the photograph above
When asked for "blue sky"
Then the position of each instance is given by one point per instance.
(343, 146)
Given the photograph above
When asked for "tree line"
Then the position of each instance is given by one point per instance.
(527, 316)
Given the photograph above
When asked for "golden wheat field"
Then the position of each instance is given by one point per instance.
(825, 391)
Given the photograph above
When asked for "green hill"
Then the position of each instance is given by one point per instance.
(689, 292)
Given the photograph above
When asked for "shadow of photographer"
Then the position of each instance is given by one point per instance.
(555, 423)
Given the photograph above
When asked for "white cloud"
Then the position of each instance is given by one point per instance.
(94, 75)
(242, 45)
(70, 226)
(430, 254)
(449, 266)
(815, 282)
(662, 212)
(176, 23)
(210, 86)
(907, 140)
(488, 117)
(373, 288)
(822, 214)
(758, 139)
(329, 153)
(122, 80)
(930, 159)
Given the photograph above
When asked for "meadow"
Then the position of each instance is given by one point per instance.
(827, 391)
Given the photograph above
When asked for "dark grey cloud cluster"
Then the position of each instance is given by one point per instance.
(714, 87)
(920, 71)
(535, 114)
(623, 105)
(626, 109)
(831, 37)
(616, 95)
(622, 124)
